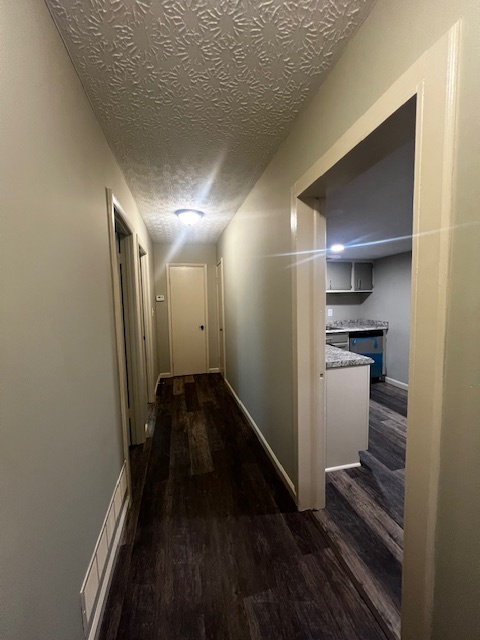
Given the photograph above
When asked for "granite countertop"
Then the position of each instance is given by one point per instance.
(336, 358)
(341, 326)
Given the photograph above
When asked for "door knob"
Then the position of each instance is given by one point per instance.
(202, 327)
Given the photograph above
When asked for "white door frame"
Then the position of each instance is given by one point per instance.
(135, 347)
(169, 297)
(113, 204)
(308, 327)
(139, 304)
(138, 399)
(147, 308)
(432, 79)
(221, 316)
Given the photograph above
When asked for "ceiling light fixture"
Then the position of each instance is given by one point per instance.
(337, 248)
(189, 216)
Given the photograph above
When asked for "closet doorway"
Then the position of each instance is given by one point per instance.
(131, 336)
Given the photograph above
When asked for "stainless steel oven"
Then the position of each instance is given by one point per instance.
(339, 340)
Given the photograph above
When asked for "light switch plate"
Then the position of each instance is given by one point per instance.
(329, 313)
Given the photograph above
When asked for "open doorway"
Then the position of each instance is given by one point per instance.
(131, 328)
(121, 259)
(432, 80)
(369, 225)
(132, 307)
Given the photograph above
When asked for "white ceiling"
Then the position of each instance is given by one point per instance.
(195, 96)
(373, 214)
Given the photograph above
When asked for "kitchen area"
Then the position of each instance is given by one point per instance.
(368, 289)
(370, 330)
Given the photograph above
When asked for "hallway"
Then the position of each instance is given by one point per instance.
(213, 546)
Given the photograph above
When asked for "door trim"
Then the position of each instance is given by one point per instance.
(308, 323)
(433, 80)
(169, 308)
(133, 326)
(139, 365)
(147, 321)
(112, 204)
(221, 316)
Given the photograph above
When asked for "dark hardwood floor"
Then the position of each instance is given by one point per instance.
(364, 514)
(389, 396)
(214, 547)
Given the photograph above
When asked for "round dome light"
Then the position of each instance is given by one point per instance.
(189, 216)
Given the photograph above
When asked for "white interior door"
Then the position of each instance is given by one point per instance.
(188, 318)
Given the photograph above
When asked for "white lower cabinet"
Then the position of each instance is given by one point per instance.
(347, 414)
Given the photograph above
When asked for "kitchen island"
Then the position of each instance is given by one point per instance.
(347, 384)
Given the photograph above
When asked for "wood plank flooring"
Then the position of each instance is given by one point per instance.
(389, 396)
(214, 547)
(364, 514)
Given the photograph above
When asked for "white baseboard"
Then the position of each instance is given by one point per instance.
(344, 466)
(167, 374)
(94, 590)
(102, 596)
(153, 392)
(396, 383)
(276, 462)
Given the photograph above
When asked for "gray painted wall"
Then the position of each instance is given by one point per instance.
(390, 301)
(256, 244)
(258, 330)
(346, 306)
(61, 450)
(187, 253)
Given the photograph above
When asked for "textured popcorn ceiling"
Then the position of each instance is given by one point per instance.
(195, 96)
